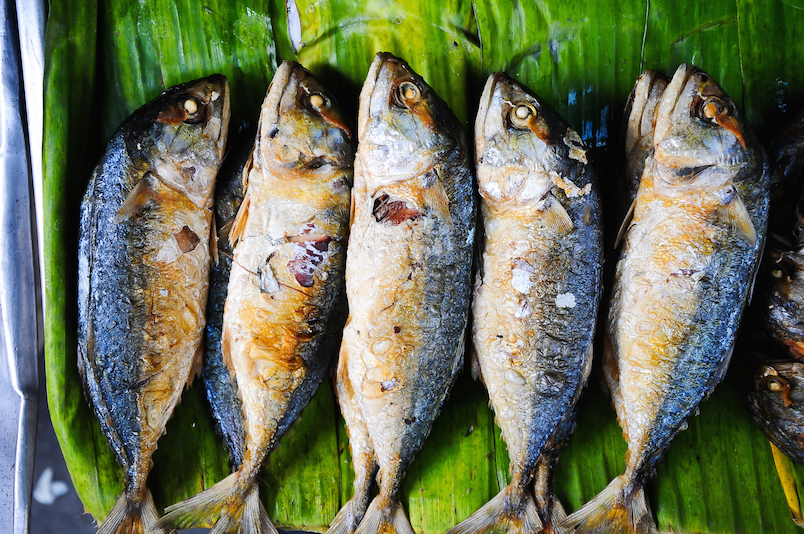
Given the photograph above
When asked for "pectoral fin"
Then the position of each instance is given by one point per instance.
(137, 200)
(239, 224)
(739, 219)
(213, 242)
(555, 216)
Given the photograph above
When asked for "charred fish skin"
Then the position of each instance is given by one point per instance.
(537, 293)
(289, 239)
(407, 281)
(219, 380)
(687, 266)
(143, 275)
(781, 283)
(777, 406)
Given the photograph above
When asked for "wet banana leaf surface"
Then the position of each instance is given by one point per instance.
(105, 59)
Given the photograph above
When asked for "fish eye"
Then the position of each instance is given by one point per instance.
(775, 385)
(408, 92)
(319, 101)
(710, 108)
(191, 106)
(521, 114)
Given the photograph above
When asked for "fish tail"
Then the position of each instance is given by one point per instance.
(231, 505)
(605, 514)
(552, 515)
(129, 518)
(512, 510)
(346, 520)
(386, 516)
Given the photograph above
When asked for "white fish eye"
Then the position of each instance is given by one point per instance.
(521, 114)
(775, 385)
(319, 101)
(191, 106)
(409, 92)
(710, 108)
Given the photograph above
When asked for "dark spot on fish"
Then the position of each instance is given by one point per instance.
(273, 132)
(500, 336)
(308, 255)
(187, 172)
(429, 178)
(137, 385)
(397, 330)
(685, 272)
(338, 184)
(186, 239)
(410, 421)
(393, 212)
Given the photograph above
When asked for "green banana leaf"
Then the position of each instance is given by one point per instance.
(105, 58)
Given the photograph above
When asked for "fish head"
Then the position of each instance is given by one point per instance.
(700, 139)
(181, 135)
(302, 129)
(404, 127)
(520, 142)
(777, 405)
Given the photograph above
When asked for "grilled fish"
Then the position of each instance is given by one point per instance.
(143, 275)
(681, 285)
(407, 283)
(287, 274)
(777, 405)
(782, 281)
(537, 294)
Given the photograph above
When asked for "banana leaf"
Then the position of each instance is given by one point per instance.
(105, 58)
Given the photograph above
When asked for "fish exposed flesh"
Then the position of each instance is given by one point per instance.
(143, 276)
(408, 284)
(683, 280)
(537, 293)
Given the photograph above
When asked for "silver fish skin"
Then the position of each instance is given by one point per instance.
(688, 263)
(143, 276)
(287, 276)
(537, 293)
(220, 383)
(408, 284)
(777, 406)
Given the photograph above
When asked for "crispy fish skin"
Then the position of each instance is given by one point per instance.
(537, 294)
(777, 405)
(681, 285)
(407, 281)
(143, 275)
(220, 383)
(287, 275)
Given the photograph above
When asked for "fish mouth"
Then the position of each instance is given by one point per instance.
(650, 82)
(275, 95)
(482, 113)
(670, 99)
(369, 106)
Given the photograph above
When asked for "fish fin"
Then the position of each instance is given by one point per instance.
(213, 242)
(629, 215)
(345, 521)
(134, 204)
(239, 224)
(739, 219)
(552, 515)
(605, 515)
(496, 515)
(385, 516)
(123, 519)
(556, 217)
(227, 505)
